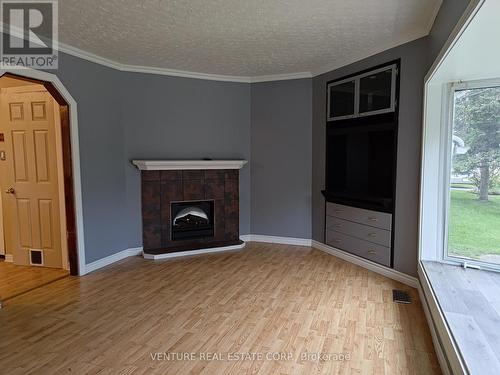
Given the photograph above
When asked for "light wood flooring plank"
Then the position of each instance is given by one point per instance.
(264, 299)
(15, 280)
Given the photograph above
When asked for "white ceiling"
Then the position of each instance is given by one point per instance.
(245, 38)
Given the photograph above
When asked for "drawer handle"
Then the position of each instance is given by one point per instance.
(338, 211)
(336, 240)
(373, 235)
(372, 219)
(372, 252)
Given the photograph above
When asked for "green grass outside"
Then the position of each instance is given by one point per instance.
(474, 228)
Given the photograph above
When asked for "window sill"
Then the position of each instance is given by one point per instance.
(469, 299)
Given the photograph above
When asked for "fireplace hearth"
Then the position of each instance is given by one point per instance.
(192, 219)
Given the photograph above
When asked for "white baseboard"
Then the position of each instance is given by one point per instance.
(372, 266)
(375, 267)
(193, 252)
(385, 271)
(276, 239)
(111, 259)
(9, 258)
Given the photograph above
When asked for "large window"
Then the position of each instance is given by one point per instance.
(474, 192)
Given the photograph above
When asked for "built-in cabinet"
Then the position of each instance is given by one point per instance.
(362, 232)
(366, 94)
(361, 135)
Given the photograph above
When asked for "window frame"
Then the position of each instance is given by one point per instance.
(445, 166)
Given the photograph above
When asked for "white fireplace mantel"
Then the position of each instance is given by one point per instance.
(168, 165)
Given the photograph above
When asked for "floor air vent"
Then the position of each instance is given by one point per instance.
(36, 257)
(400, 296)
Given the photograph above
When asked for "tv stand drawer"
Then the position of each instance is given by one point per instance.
(368, 250)
(375, 219)
(361, 231)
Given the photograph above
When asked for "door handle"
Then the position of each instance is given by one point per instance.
(10, 191)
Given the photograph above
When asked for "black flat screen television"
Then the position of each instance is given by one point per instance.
(360, 166)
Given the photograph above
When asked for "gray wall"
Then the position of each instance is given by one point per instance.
(171, 117)
(416, 58)
(96, 90)
(131, 115)
(281, 142)
(122, 116)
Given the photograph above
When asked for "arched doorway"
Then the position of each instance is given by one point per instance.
(70, 161)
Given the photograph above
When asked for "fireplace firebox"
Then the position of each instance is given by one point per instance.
(192, 219)
(210, 196)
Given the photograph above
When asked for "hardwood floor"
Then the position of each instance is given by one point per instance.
(15, 280)
(264, 299)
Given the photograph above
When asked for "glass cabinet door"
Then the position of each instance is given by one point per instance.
(376, 92)
(341, 100)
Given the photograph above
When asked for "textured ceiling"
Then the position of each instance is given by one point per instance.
(241, 37)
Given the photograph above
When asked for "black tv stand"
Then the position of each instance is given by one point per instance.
(369, 203)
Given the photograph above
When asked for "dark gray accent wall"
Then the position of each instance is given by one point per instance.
(181, 118)
(449, 14)
(413, 70)
(281, 140)
(416, 58)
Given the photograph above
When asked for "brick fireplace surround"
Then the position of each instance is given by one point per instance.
(162, 187)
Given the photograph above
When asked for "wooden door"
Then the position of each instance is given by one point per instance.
(29, 175)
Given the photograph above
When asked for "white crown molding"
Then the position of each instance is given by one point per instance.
(434, 14)
(281, 77)
(369, 53)
(89, 56)
(170, 165)
(70, 50)
(73, 51)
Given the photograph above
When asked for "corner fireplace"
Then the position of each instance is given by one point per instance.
(165, 193)
(192, 219)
